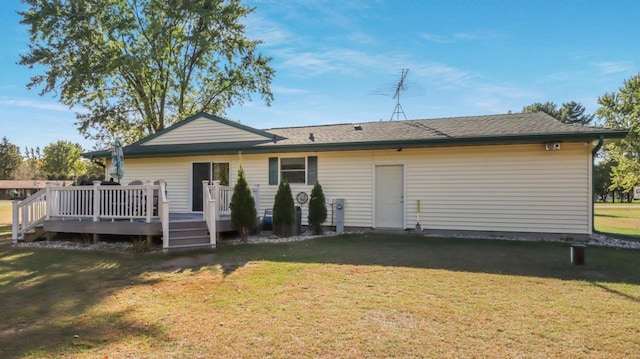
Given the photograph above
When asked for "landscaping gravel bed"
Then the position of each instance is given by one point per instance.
(267, 237)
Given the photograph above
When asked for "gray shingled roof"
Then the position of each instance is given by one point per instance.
(510, 125)
(455, 131)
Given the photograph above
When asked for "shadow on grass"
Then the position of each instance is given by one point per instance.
(46, 298)
(534, 259)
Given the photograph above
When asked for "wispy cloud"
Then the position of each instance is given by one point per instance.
(287, 90)
(436, 38)
(34, 105)
(613, 67)
(476, 35)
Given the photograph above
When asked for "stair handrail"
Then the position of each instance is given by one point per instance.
(28, 213)
(210, 209)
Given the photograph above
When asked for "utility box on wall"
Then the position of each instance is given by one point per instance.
(339, 202)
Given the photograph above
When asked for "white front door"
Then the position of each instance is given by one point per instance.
(389, 196)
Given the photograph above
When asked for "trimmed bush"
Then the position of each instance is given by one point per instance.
(243, 207)
(317, 209)
(284, 212)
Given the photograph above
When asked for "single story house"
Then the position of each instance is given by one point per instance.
(512, 173)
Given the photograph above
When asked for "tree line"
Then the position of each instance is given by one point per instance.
(617, 171)
(61, 160)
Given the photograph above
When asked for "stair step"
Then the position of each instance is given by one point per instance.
(182, 232)
(188, 240)
(189, 246)
(187, 224)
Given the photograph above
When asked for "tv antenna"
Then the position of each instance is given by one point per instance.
(395, 90)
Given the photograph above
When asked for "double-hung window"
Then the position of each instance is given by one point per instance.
(294, 170)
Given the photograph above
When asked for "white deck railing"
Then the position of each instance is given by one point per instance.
(91, 203)
(224, 194)
(99, 203)
(28, 214)
(209, 212)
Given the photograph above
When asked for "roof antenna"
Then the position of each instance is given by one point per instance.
(400, 87)
(397, 89)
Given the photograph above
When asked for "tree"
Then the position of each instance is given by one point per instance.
(62, 160)
(602, 180)
(317, 209)
(570, 112)
(139, 66)
(622, 110)
(31, 166)
(283, 210)
(243, 207)
(10, 158)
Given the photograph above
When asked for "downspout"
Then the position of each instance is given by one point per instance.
(593, 182)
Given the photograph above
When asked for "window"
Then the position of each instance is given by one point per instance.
(293, 170)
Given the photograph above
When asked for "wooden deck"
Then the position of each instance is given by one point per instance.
(141, 210)
(127, 227)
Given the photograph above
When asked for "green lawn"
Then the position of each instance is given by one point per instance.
(618, 219)
(348, 296)
(5, 219)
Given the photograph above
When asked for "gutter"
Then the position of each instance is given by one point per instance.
(594, 152)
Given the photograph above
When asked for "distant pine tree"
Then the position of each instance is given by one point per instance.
(317, 209)
(243, 207)
(283, 211)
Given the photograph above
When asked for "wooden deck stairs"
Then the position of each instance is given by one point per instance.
(188, 234)
(35, 233)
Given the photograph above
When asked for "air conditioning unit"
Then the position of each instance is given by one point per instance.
(552, 146)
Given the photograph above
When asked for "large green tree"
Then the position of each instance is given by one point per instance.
(62, 160)
(622, 110)
(10, 159)
(570, 112)
(138, 66)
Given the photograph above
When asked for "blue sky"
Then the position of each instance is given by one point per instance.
(465, 58)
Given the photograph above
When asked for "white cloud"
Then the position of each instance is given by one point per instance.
(34, 105)
(436, 38)
(613, 67)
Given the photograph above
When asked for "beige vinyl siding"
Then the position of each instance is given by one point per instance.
(502, 188)
(511, 188)
(203, 130)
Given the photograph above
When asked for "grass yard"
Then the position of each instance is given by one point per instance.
(620, 219)
(348, 296)
(5, 219)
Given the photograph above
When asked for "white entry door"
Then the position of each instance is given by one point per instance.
(389, 196)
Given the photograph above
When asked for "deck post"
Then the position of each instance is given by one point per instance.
(163, 212)
(15, 227)
(149, 198)
(96, 208)
(49, 203)
(216, 197)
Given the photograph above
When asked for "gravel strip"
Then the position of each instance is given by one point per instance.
(594, 240)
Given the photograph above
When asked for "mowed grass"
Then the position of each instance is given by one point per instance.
(621, 219)
(349, 296)
(5, 219)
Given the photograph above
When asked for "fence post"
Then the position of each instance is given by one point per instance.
(15, 227)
